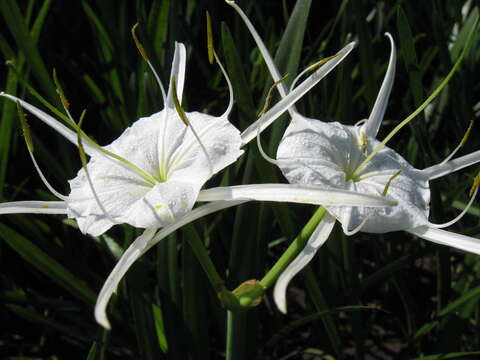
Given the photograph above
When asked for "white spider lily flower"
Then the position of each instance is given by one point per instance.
(174, 166)
(334, 156)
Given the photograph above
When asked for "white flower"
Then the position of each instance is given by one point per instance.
(336, 156)
(152, 175)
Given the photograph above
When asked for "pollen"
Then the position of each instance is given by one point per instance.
(158, 207)
(45, 207)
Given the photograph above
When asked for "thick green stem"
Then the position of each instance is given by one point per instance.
(294, 249)
(248, 294)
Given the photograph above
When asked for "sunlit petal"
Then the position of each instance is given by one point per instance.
(370, 128)
(443, 237)
(33, 207)
(177, 72)
(134, 251)
(316, 240)
(304, 194)
(439, 170)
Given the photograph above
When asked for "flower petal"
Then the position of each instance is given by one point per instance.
(303, 194)
(33, 207)
(142, 245)
(317, 239)
(439, 170)
(134, 251)
(272, 68)
(370, 128)
(442, 237)
(177, 71)
(50, 121)
(279, 108)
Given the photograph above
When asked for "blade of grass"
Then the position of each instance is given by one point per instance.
(47, 265)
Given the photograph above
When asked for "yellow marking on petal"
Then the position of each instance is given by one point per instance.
(45, 206)
(475, 185)
(467, 134)
(138, 44)
(158, 207)
(25, 128)
(268, 100)
(209, 39)
(60, 92)
(389, 182)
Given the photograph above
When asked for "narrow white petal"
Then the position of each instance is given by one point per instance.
(317, 239)
(142, 245)
(304, 194)
(263, 50)
(370, 128)
(177, 71)
(50, 121)
(279, 108)
(33, 207)
(442, 169)
(442, 237)
(134, 251)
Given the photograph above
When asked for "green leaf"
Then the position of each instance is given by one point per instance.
(461, 301)
(27, 44)
(47, 265)
(93, 352)
(160, 327)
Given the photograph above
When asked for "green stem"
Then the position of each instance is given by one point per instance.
(294, 249)
(249, 294)
(202, 255)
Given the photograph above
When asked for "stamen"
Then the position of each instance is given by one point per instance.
(83, 159)
(63, 98)
(209, 39)
(183, 117)
(312, 67)
(25, 128)
(462, 142)
(268, 100)
(28, 140)
(389, 182)
(432, 97)
(472, 193)
(142, 52)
